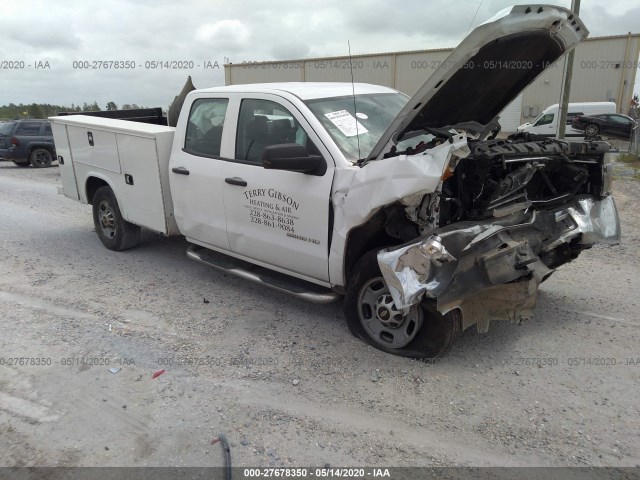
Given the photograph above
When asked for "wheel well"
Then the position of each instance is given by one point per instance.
(45, 147)
(366, 237)
(93, 184)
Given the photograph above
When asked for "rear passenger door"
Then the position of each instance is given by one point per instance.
(276, 217)
(196, 175)
(28, 133)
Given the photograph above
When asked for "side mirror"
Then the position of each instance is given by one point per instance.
(294, 158)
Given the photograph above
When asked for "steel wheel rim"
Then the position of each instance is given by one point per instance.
(106, 219)
(382, 321)
(42, 157)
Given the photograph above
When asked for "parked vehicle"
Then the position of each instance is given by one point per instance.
(27, 142)
(546, 124)
(612, 125)
(329, 189)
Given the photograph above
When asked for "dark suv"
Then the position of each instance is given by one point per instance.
(27, 142)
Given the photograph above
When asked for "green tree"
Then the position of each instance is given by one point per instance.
(111, 106)
(35, 111)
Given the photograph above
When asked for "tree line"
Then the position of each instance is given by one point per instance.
(44, 110)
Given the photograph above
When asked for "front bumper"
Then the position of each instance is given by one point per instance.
(491, 270)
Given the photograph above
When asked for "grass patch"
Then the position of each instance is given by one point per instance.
(631, 161)
(629, 158)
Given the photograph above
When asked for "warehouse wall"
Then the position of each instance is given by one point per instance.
(600, 74)
(604, 70)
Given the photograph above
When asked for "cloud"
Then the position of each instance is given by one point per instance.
(227, 35)
(200, 31)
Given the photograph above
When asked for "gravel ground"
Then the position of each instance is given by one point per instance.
(284, 380)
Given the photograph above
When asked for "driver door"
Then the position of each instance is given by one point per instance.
(276, 217)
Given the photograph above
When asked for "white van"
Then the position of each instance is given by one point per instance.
(547, 122)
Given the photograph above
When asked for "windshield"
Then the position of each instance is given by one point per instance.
(374, 114)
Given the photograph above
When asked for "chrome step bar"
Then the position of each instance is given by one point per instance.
(277, 281)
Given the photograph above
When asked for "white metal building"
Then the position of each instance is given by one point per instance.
(604, 70)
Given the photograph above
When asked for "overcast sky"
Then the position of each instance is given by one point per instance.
(62, 32)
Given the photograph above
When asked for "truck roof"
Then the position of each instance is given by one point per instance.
(306, 90)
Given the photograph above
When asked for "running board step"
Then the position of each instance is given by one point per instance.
(277, 281)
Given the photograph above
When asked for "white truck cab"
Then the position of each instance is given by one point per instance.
(405, 206)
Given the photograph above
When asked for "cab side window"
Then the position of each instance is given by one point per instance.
(262, 123)
(204, 130)
(545, 120)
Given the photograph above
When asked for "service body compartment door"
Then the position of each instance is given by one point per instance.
(141, 195)
(277, 217)
(66, 169)
(94, 147)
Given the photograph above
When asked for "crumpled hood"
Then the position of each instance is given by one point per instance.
(489, 69)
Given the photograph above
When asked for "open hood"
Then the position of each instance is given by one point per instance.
(489, 68)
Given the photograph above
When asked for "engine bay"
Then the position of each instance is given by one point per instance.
(501, 177)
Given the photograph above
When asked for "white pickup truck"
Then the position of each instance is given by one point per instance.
(405, 206)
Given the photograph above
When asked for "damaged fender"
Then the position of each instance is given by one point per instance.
(360, 194)
(492, 271)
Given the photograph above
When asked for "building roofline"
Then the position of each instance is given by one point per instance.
(401, 52)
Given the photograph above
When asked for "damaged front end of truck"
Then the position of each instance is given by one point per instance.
(476, 223)
(507, 216)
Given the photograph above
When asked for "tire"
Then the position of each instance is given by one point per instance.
(40, 158)
(424, 333)
(591, 130)
(22, 163)
(114, 232)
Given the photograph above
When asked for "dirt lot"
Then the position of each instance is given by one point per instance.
(284, 380)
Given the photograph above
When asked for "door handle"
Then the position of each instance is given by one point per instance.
(236, 181)
(180, 170)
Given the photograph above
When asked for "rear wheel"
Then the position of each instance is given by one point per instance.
(114, 232)
(591, 130)
(21, 163)
(41, 158)
(423, 333)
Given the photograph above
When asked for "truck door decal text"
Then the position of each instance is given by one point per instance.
(273, 209)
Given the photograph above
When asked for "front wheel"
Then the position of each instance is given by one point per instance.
(40, 158)
(114, 232)
(423, 333)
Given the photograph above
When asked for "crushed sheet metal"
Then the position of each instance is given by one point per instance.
(360, 192)
(597, 221)
(491, 271)
(414, 269)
